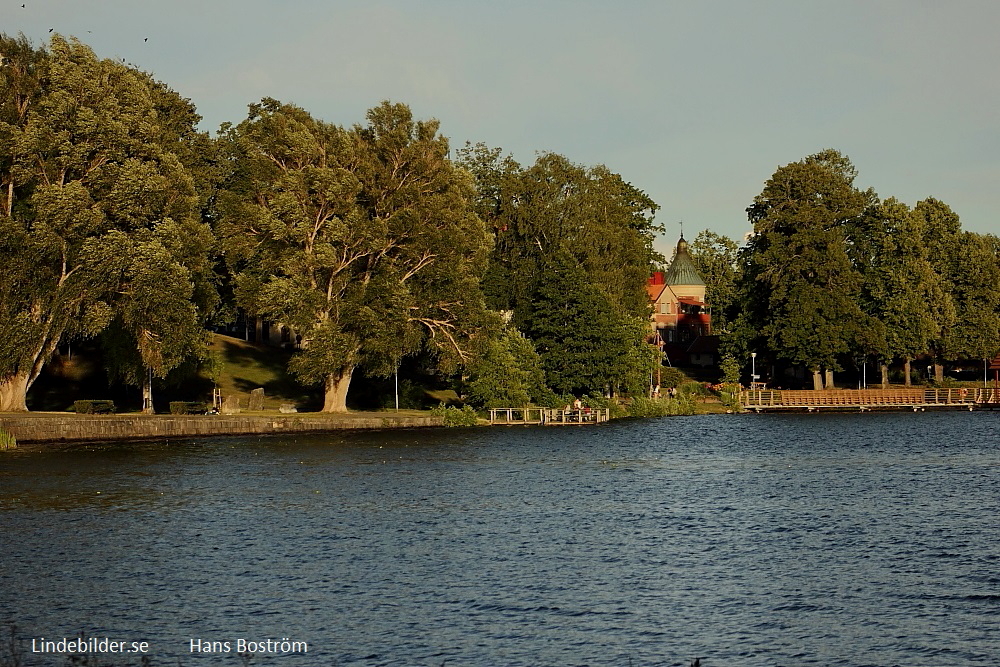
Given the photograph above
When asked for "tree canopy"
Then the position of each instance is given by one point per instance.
(363, 240)
(99, 209)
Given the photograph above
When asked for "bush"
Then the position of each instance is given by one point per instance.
(615, 409)
(7, 441)
(672, 377)
(453, 416)
(94, 407)
(692, 388)
(188, 407)
(641, 406)
(729, 396)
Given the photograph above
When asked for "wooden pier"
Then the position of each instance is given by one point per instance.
(760, 400)
(547, 416)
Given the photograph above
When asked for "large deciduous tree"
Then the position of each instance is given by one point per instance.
(87, 174)
(967, 267)
(557, 219)
(796, 269)
(900, 288)
(590, 215)
(363, 240)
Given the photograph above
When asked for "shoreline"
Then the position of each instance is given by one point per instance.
(54, 427)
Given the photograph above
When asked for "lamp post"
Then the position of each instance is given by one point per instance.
(753, 369)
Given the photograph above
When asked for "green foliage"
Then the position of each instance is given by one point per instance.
(214, 365)
(731, 370)
(99, 407)
(799, 287)
(590, 215)
(454, 416)
(693, 389)
(362, 240)
(585, 345)
(507, 373)
(99, 217)
(188, 407)
(900, 288)
(615, 408)
(729, 396)
(412, 396)
(7, 441)
(641, 406)
(671, 376)
(715, 257)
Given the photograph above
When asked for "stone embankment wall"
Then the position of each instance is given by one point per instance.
(81, 428)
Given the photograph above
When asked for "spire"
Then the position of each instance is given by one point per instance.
(682, 270)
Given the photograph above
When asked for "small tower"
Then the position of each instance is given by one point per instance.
(680, 314)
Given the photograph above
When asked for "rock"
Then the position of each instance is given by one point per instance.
(256, 400)
(287, 408)
(231, 406)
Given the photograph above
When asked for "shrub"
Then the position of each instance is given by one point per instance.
(693, 389)
(615, 409)
(672, 377)
(730, 370)
(453, 416)
(94, 407)
(188, 407)
(729, 396)
(7, 440)
(641, 406)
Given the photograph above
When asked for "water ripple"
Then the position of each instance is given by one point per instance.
(756, 540)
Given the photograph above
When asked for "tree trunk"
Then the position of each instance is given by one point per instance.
(829, 379)
(817, 380)
(337, 384)
(906, 373)
(147, 394)
(885, 375)
(938, 372)
(14, 393)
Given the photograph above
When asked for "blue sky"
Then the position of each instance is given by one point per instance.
(695, 102)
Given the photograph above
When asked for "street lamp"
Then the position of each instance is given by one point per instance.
(753, 369)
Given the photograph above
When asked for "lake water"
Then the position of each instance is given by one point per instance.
(743, 540)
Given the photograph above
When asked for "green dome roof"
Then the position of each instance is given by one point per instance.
(682, 270)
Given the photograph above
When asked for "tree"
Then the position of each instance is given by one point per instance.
(87, 175)
(585, 343)
(157, 323)
(975, 288)
(715, 257)
(589, 214)
(941, 230)
(900, 288)
(508, 372)
(362, 240)
(796, 271)
(554, 219)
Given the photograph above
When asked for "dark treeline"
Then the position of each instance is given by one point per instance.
(834, 277)
(121, 222)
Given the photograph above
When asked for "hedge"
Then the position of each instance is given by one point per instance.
(188, 407)
(94, 407)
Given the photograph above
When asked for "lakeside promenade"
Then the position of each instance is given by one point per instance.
(49, 427)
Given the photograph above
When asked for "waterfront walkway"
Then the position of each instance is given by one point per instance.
(39, 427)
(760, 400)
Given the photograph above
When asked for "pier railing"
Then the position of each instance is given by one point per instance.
(869, 399)
(547, 416)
